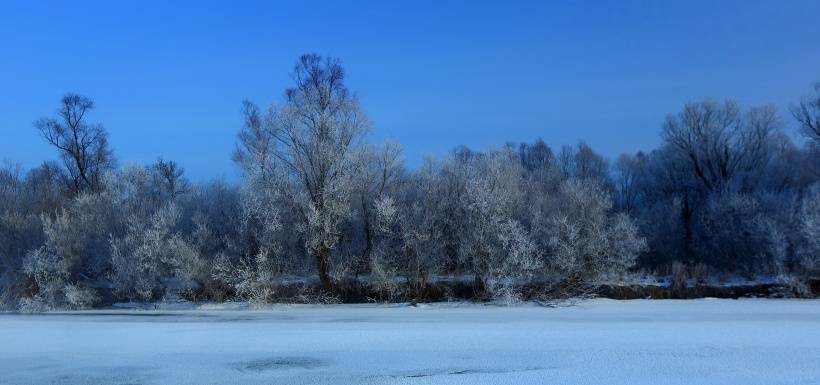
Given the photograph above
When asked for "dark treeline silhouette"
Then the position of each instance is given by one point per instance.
(320, 211)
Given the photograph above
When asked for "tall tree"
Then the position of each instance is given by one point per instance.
(318, 133)
(83, 146)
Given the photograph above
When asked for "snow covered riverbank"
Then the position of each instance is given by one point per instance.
(596, 342)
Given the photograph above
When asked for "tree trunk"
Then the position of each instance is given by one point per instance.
(322, 262)
(364, 261)
(686, 217)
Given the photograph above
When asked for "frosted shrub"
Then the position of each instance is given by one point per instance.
(251, 280)
(385, 276)
(78, 297)
(585, 240)
(384, 269)
(516, 265)
(497, 247)
(253, 276)
(78, 235)
(74, 252)
(153, 256)
(50, 273)
(55, 291)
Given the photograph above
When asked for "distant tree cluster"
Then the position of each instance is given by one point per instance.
(320, 210)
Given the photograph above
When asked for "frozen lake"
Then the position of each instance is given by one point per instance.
(595, 342)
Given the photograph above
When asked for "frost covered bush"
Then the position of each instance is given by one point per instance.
(153, 257)
(79, 297)
(253, 276)
(384, 264)
(585, 239)
(250, 279)
(517, 266)
(55, 289)
(496, 247)
(51, 275)
(74, 253)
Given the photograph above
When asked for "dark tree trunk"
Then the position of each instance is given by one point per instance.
(322, 262)
(686, 216)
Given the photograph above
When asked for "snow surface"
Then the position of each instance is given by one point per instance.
(595, 342)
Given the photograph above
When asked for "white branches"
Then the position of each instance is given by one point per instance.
(585, 239)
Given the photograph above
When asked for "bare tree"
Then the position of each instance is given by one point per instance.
(807, 114)
(83, 146)
(171, 178)
(583, 163)
(318, 133)
(718, 141)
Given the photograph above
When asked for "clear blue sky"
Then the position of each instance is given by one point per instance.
(168, 79)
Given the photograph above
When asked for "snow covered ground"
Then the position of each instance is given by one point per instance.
(596, 342)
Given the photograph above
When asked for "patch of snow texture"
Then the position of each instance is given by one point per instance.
(596, 342)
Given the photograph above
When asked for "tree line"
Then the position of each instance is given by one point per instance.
(321, 210)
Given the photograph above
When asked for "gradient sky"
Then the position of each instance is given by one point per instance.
(168, 79)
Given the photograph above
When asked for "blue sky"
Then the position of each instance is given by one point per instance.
(168, 79)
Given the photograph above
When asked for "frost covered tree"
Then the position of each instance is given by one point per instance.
(73, 256)
(497, 248)
(153, 258)
(585, 240)
(318, 132)
(726, 189)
